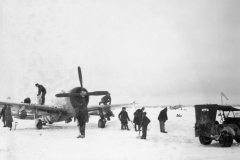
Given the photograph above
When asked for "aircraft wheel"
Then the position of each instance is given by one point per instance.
(226, 139)
(205, 140)
(101, 123)
(39, 124)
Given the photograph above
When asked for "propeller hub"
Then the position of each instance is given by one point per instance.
(83, 93)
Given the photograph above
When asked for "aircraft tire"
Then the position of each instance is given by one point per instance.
(39, 124)
(101, 124)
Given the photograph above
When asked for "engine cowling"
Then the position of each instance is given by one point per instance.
(76, 101)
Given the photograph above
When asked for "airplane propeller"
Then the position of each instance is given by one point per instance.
(96, 93)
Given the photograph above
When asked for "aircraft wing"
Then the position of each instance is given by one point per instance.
(34, 106)
(107, 107)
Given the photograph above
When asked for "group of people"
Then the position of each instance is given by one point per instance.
(5, 113)
(141, 120)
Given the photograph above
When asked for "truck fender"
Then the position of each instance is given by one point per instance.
(229, 129)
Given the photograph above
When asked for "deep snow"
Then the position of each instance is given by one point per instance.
(58, 141)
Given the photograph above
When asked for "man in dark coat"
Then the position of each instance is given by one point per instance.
(123, 117)
(106, 99)
(82, 119)
(42, 90)
(138, 118)
(8, 117)
(2, 114)
(162, 119)
(145, 122)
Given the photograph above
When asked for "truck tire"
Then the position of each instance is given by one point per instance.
(226, 139)
(205, 140)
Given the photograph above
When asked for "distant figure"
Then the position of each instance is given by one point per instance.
(2, 114)
(42, 90)
(106, 99)
(123, 117)
(8, 117)
(27, 100)
(162, 119)
(81, 122)
(145, 122)
(138, 118)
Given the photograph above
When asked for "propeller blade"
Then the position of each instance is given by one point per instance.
(80, 77)
(67, 94)
(98, 93)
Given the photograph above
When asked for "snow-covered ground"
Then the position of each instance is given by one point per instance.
(58, 141)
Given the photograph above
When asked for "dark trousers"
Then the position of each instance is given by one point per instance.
(43, 98)
(144, 131)
(162, 126)
(82, 128)
(9, 124)
(135, 126)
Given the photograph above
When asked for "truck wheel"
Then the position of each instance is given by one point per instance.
(101, 123)
(205, 140)
(226, 139)
(39, 124)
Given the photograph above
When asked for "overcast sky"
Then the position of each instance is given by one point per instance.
(154, 52)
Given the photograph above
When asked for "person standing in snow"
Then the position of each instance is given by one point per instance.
(162, 117)
(138, 118)
(82, 119)
(123, 117)
(8, 117)
(145, 122)
(42, 90)
(2, 114)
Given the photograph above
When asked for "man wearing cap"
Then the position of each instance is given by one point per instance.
(162, 117)
(106, 99)
(123, 117)
(42, 90)
(145, 122)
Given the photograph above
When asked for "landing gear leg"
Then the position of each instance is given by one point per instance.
(38, 122)
(102, 121)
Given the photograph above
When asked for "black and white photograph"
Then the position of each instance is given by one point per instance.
(119, 79)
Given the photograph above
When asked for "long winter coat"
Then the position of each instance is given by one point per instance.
(8, 115)
(81, 118)
(123, 115)
(3, 113)
(146, 121)
(137, 116)
(163, 115)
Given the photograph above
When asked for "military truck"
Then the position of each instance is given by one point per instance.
(223, 128)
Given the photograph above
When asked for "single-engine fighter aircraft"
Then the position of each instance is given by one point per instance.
(64, 107)
(176, 107)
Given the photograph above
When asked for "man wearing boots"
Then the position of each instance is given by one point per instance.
(82, 119)
(162, 119)
(2, 114)
(123, 117)
(145, 122)
(42, 90)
